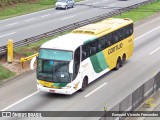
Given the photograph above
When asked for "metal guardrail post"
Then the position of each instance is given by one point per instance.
(10, 51)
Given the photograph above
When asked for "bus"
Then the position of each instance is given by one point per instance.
(70, 62)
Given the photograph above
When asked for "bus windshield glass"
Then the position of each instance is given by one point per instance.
(53, 66)
(52, 54)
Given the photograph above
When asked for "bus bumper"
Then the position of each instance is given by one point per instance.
(67, 91)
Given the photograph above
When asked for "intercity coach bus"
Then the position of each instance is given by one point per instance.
(70, 62)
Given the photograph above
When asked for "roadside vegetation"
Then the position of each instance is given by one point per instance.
(141, 12)
(5, 73)
(12, 8)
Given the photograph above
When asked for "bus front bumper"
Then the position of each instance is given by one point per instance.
(67, 91)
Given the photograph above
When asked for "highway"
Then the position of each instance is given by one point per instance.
(20, 94)
(26, 26)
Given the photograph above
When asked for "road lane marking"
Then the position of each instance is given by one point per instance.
(12, 24)
(95, 3)
(19, 101)
(68, 17)
(59, 12)
(154, 51)
(29, 19)
(147, 32)
(46, 15)
(95, 90)
(7, 34)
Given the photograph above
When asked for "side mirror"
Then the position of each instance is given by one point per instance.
(71, 67)
(32, 63)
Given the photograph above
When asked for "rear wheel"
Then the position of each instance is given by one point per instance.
(118, 64)
(84, 84)
(123, 60)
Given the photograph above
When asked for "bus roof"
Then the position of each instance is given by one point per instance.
(67, 42)
(107, 25)
(85, 34)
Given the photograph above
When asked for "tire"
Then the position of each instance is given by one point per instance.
(118, 64)
(66, 7)
(84, 84)
(73, 6)
(123, 60)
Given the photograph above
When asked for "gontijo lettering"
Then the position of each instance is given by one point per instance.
(115, 48)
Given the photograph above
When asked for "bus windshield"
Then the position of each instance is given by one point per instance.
(53, 66)
(52, 54)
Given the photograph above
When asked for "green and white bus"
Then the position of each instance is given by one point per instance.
(70, 62)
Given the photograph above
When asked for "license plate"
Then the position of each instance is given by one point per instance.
(52, 91)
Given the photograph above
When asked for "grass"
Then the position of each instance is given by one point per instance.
(142, 12)
(25, 8)
(5, 73)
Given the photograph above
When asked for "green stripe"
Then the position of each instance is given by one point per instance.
(98, 62)
(88, 41)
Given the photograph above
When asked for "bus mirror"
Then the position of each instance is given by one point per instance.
(71, 67)
(32, 63)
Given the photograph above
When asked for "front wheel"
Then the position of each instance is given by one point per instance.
(66, 7)
(84, 85)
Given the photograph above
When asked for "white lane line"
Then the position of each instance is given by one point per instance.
(147, 32)
(68, 17)
(46, 15)
(7, 34)
(12, 24)
(154, 51)
(95, 3)
(29, 19)
(19, 101)
(95, 90)
(59, 12)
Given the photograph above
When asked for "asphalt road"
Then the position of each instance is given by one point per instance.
(21, 94)
(26, 26)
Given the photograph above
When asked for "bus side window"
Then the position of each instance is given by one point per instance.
(92, 48)
(115, 37)
(121, 34)
(127, 34)
(130, 29)
(76, 62)
(101, 44)
(109, 40)
(85, 52)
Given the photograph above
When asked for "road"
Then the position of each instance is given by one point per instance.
(20, 94)
(26, 26)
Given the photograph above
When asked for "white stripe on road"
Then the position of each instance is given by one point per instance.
(95, 90)
(68, 17)
(19, 101)
(95, 3)
(11, 24)
(7, 34)
(46, 15)
(29, 19)
(60, 12)
(154, 51)
(148, 32)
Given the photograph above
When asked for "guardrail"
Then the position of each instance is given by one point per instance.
(132, 101)
(27, 41)
(22, 60)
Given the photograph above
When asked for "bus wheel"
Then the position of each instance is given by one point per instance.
(118, 64)
(84, 84)
(123, 60)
